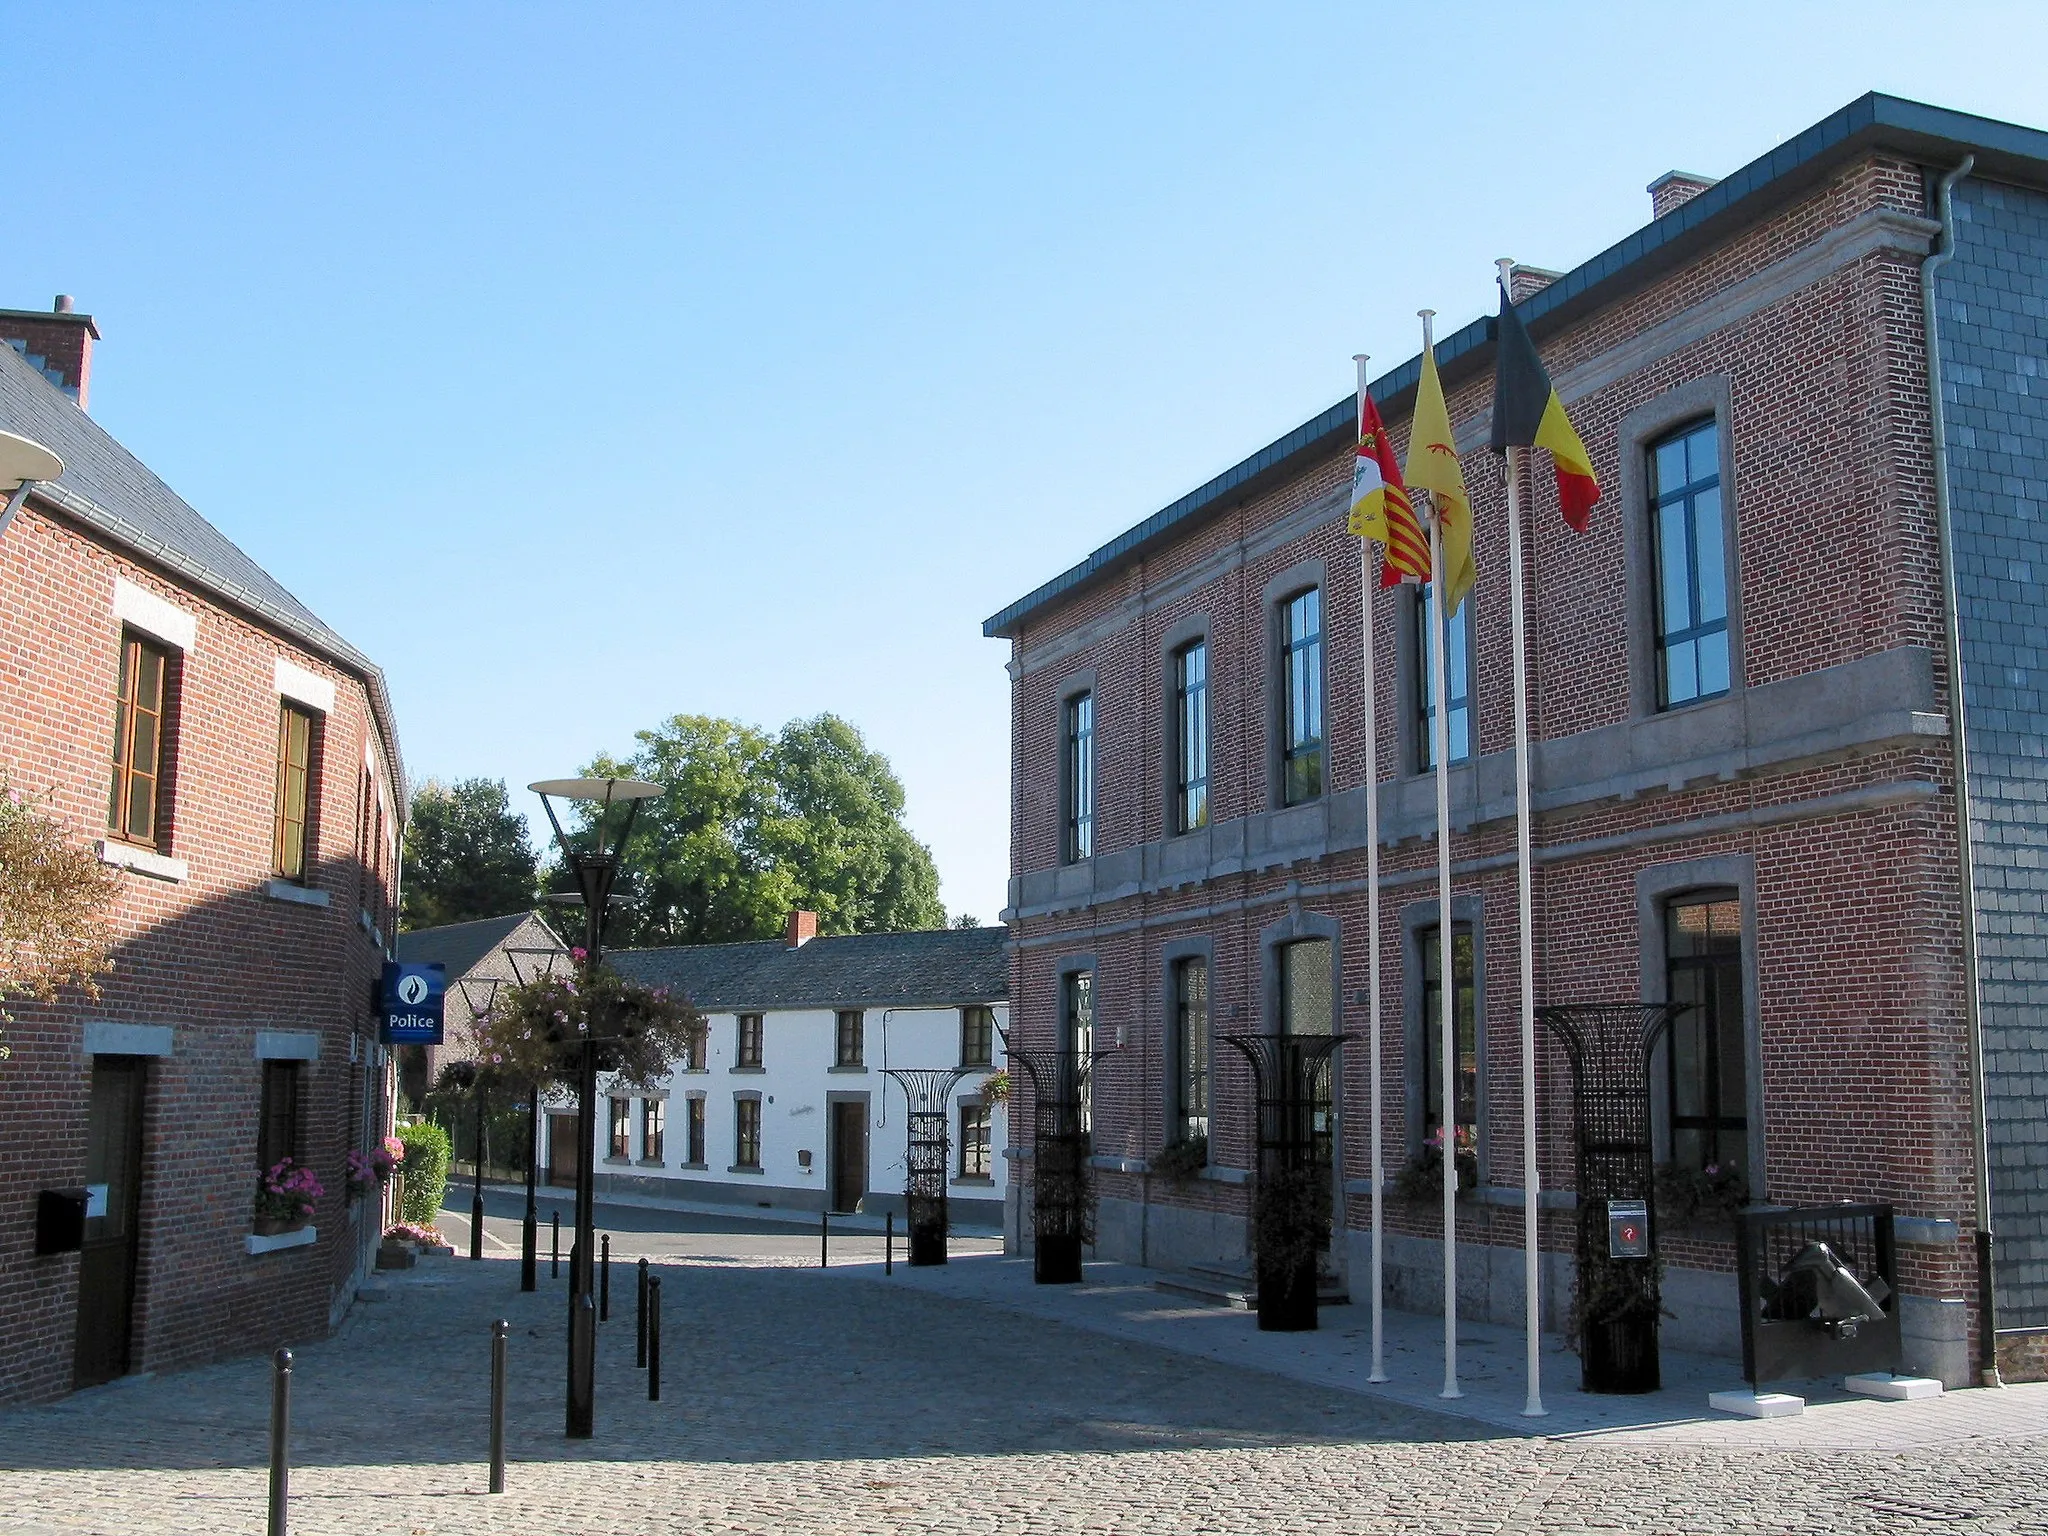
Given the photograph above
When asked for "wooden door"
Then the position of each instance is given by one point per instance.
(564, 1149)
(849, 1153)
(113, 1177)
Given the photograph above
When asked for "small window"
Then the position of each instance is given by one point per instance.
(1080, 778)
(694, 1047)
(1709, 1072)
(1457, 681)
(747, 1052)
(278, 1127)
(653, 1116)
(851, 1044)
(977, 1036)
(294, 780)
(747, 1133)
(1464, 1032)
(622, 1128)
(1191, 1048)
(693, 1132)
(1077, 1033)
(133, 801)
(974, 1139)
(1301, 673)
(1191, 737)
(1692, 571)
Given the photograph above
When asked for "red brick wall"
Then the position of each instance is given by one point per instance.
(213, 957)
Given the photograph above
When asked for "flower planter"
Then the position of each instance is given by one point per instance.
(1287, 1298)
(273, 1226)
(1620, 1356)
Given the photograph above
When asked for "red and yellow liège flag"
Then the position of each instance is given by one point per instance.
(1380, 509)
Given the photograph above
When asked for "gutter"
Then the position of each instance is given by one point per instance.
(1973, 1015)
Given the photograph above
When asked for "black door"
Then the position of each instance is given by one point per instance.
(113, 1176)
(564, 1149)
(849, 1153)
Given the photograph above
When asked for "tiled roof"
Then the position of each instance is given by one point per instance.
(110, 490)
(461, 947)
(937, 968)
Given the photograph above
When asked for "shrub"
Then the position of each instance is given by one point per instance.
(1182, 1159)
(426, 1172)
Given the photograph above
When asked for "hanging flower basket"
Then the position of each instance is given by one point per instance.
(373, 1169)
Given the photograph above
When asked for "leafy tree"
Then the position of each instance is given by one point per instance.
(966, 920)
(753, 825)
(54, 903)
(466, 855)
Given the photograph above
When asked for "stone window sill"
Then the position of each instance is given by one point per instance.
(252, 1244)
(292, 891)
(981, 1180)
(158, 866)
(655, 1162)
(694, 1167)
(753, 1168)
(847, 1069)
(622, 1161)
(747, 1071)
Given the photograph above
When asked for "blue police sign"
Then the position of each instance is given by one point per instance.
(413, 999)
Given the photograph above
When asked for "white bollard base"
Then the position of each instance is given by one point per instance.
(1897, 1388)
(1757, 1405)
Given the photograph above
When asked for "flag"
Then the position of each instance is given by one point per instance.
(1380, 509)
(1528, 414)
(1433, 467)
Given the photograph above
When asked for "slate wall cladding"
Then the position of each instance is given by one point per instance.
(1993, 313)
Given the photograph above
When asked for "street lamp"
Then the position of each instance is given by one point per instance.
(529, 1232)
(23, 462)
(597, 870)
(467, 1077)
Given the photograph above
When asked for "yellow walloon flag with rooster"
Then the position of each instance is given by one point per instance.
(1433, 467)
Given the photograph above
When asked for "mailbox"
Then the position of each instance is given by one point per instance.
(1628, 1229)
(60, 1220)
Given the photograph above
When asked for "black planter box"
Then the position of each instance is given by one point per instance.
(1620, 1356)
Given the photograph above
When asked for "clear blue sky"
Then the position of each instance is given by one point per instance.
(589, 364)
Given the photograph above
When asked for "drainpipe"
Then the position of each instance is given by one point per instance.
(1958, 730)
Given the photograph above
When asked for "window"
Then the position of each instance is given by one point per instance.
(850, 1042)
(1077, 1034)
(694, 1047)
(1301, 675)
(977, 1036)
(1191, 737)
(693, 1130)
(1464, 1032)
(277, 1123)
(1457, 681)
(294, 778)
(974, 1137)
(622, 1128)
(138, 741)
(747, 1049)
(1080, 778)
(1191, 1048)
(746, 1133)
(1692, 572)
(653, 1115)
(1308, 1006)
(1708, 1084)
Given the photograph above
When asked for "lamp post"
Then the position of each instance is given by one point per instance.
(23, 462)
(469, 1078)
(596, 869)
(529, 1228)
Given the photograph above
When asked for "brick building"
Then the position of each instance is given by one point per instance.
(1745, 765)
(235, 761)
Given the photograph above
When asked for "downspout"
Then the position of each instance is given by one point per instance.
(1958, 730)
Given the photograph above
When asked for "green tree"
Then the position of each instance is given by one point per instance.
(466, 855)
(752, 825)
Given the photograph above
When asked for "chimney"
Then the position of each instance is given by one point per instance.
(803, 927)
(1524, 281)
(56, 343)
(1674, 189)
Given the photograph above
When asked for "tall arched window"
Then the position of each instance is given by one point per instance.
(1708, 1081)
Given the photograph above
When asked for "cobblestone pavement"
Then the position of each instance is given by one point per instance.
(795, 1402)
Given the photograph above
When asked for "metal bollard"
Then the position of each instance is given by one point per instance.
(280, 1439)
(498, 1331)
(604, 1280)
(640, 1325)
(654, 1340)
(555, 1250)
(888, 1242)
(582, 1369)
(824, 1238)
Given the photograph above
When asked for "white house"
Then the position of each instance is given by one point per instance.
(788, 1102)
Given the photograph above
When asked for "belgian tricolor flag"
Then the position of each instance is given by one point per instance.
(1528, 414)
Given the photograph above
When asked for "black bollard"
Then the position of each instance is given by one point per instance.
(654, 1340)
(555, 1249)
(604, 1280)
(824, 1238)
(582, 1369)
(640, 1323)
(888, 1242)
(498, 1331)
(280, 1439)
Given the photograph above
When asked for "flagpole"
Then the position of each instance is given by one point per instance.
(1531, 1183)
(1370, 682)
(1446, 941)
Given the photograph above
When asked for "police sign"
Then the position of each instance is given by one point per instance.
(413, 996)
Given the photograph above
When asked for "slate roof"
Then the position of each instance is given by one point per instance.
(115, 494)
(461, 947)
(938, 968)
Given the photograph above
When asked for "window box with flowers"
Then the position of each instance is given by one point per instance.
(372, 1170)
(1422, 1181)
(283, 1208)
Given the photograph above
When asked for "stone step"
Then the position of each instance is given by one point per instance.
(1233, 1286)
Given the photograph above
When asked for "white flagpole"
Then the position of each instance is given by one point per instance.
(1372, 898)
(1446, 945)
(1531, 1184)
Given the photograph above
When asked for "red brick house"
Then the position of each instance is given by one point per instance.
(236, 762)
(1746, 756)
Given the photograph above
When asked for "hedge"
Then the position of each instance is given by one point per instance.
(426, 1172)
